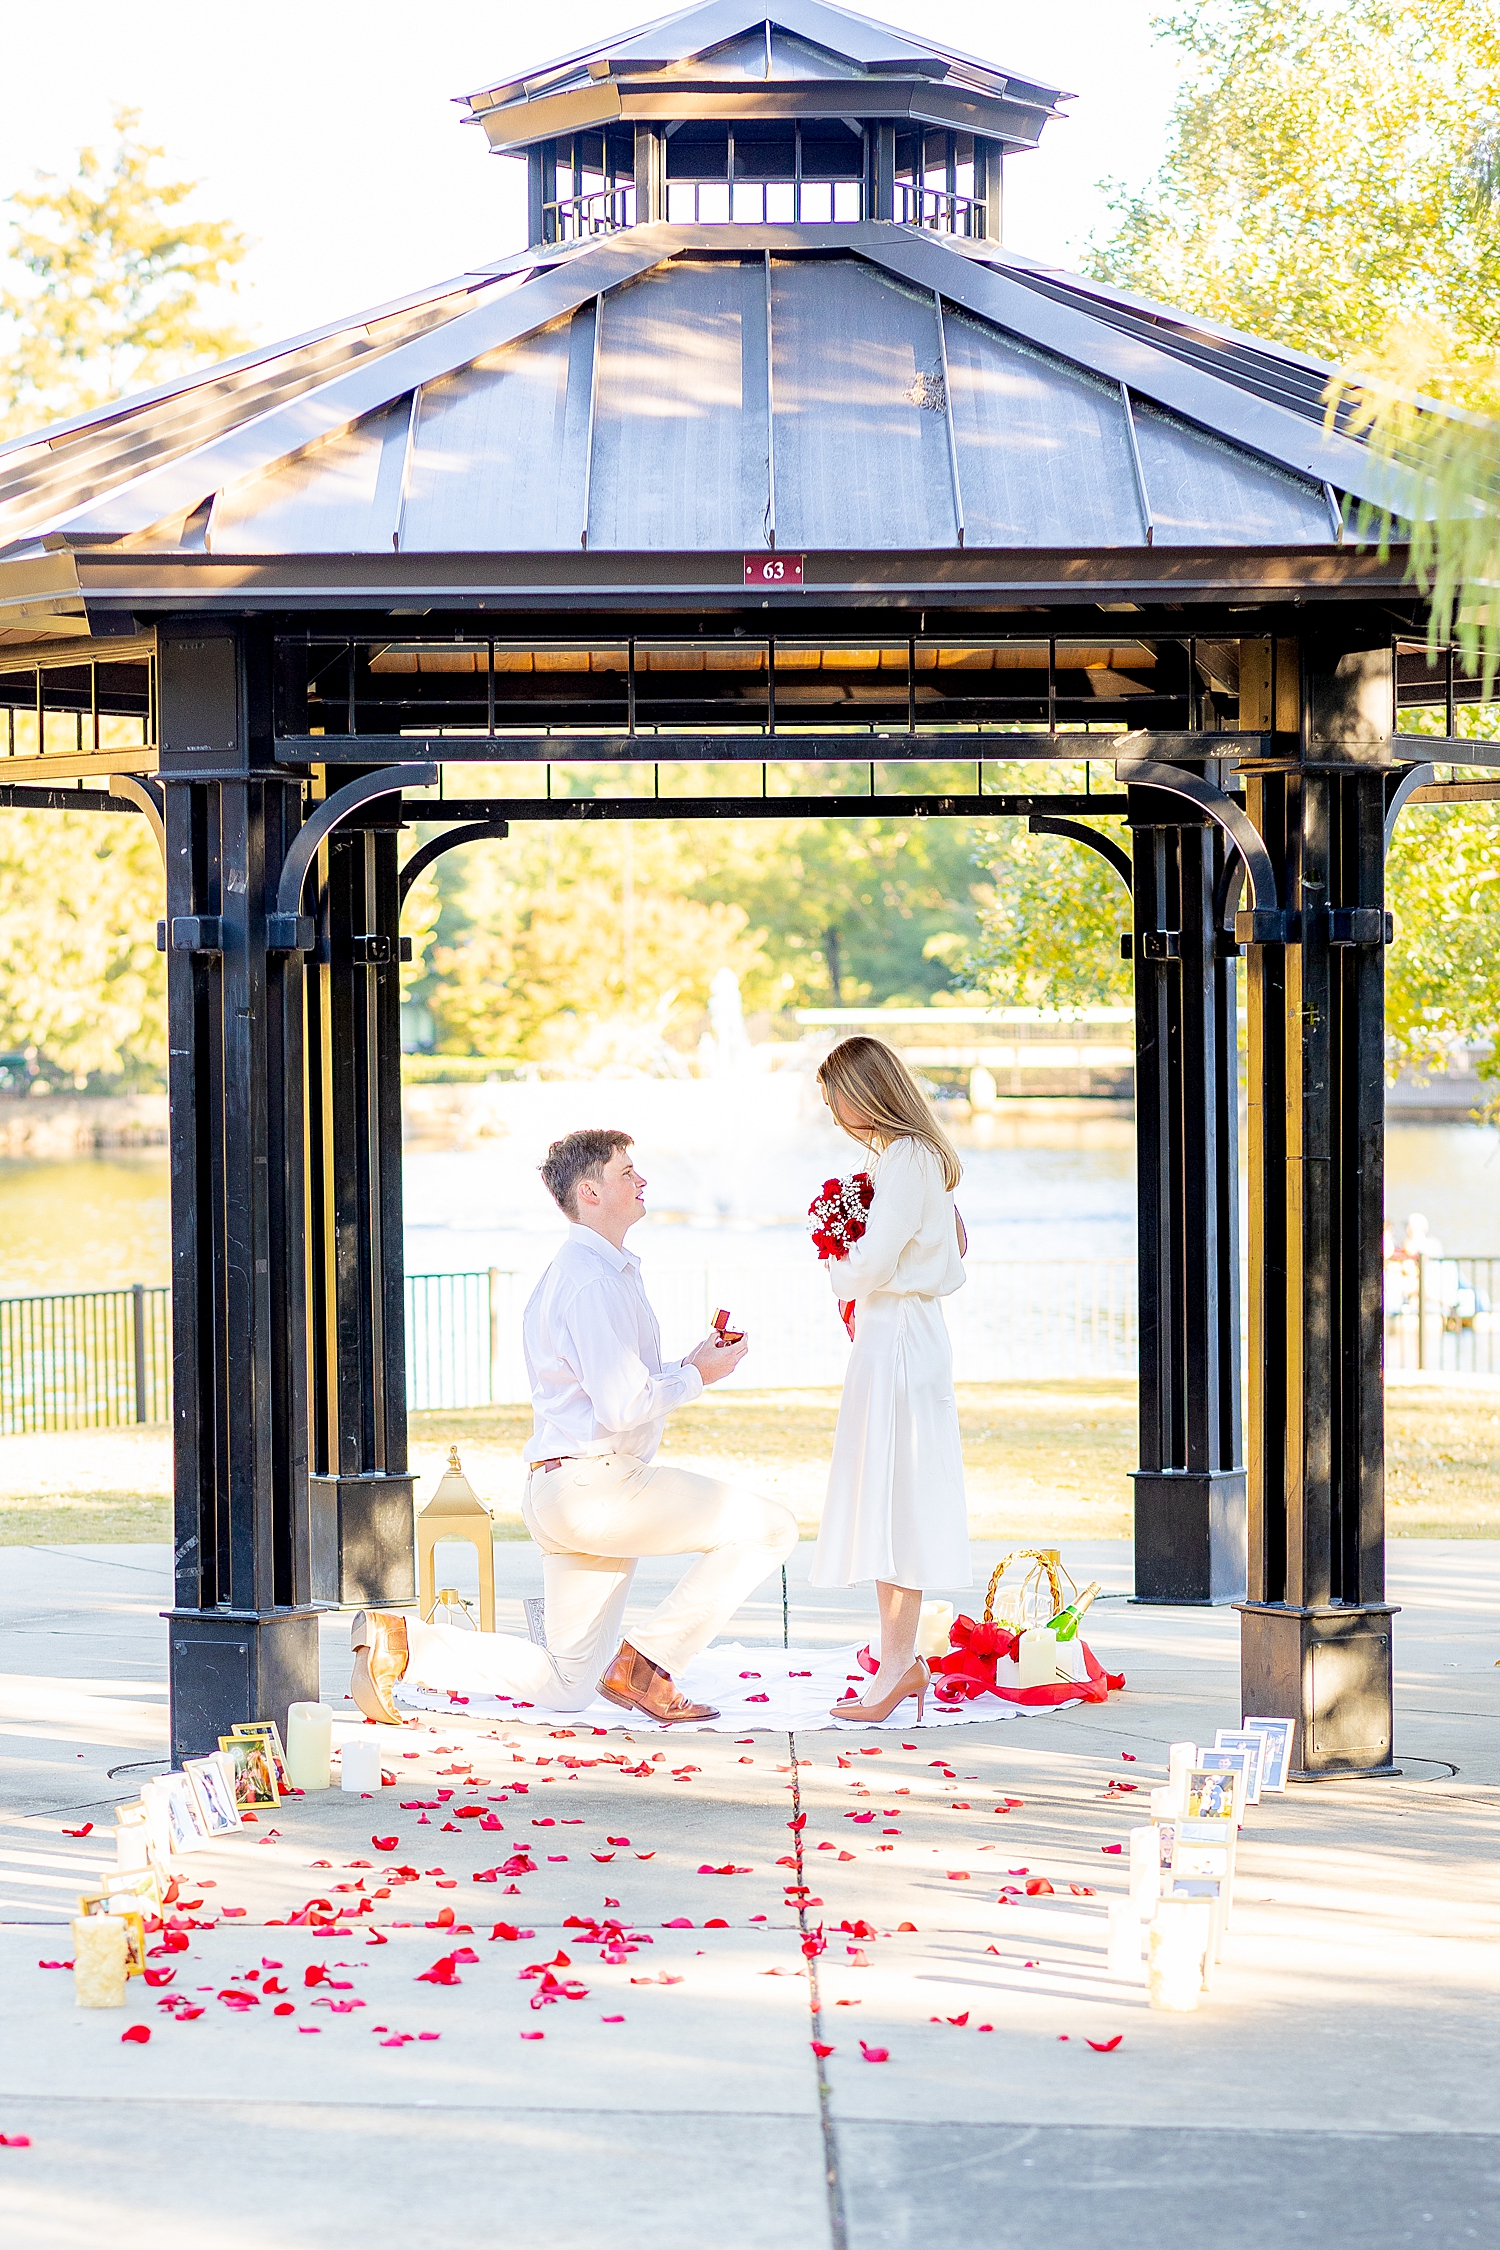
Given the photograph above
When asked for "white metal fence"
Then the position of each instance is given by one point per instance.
(1013, 1321)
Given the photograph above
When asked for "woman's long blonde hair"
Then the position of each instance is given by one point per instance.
(865, 1075)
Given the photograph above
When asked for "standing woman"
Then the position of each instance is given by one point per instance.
(895, 1511)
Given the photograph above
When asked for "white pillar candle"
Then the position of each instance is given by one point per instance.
(361, 1762)
(1124, 1940)
(309, 1745)
(99, 1957)
(1179, 1944)
(1145, 1870)
(933, 1627)
(1180, 1757)
(1163, 1805)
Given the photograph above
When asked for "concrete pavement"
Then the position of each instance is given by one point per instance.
(1344, 2070)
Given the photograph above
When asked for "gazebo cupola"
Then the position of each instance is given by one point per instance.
(719, 115)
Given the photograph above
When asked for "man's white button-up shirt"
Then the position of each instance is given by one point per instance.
(593, 1356)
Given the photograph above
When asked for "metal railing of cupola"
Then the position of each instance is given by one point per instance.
(578, 218)
(940, 210)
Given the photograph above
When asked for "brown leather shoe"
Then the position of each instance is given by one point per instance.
(378, 1638)
(636, 1684)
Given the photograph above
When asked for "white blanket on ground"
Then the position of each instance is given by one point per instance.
(780, 1690)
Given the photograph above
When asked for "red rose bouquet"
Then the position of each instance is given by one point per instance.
(837, 1213)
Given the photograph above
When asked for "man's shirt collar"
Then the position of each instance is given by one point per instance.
(590, 1237)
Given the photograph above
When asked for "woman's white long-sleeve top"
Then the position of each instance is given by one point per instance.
(910, 1244)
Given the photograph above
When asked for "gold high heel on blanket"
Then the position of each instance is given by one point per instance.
(915, 1682)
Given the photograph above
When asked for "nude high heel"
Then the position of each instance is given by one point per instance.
(915, 1682)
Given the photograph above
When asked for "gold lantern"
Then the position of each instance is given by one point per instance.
(456, 1511)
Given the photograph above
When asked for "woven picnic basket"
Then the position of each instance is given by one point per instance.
(1037, 1596)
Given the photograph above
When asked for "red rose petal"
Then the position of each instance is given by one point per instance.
(136, 2036)
(874, 2054)
(1105, 2046)
(821, 2047)
(86, 1830)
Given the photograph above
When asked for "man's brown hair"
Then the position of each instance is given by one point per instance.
(579, 1156)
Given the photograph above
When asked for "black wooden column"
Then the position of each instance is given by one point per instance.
(361, 1490)
(1190, 1486)
(243, 1636)
(1316, 1630)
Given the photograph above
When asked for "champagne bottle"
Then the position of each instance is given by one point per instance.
(1064, 1626)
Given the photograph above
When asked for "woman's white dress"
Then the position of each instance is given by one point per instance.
(895, 1508)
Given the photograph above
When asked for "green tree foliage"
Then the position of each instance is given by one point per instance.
(80, 977)
(851, 911)
(1443, 972)
(113, 282)
(1332, 180)
(600, 942)
(110, 281)
(1050, 936)
(573, 943)
(1320, 179)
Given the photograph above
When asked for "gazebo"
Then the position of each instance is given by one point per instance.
(764, 457)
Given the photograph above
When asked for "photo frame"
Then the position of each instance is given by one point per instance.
(1248, 1739)
(1236, 1762)
(212, 1781)
(1277, 1756)
(139, 1887)
(1212, 1792)
(1201, 1862)
(270, 1734)
(252, 1772)
(99, 1902)
(158, 1826)
(132, 1836)
(188, 1827)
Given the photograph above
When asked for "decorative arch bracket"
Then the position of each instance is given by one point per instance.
(1050, 824)
(288, 929)
(146, 797)
(1265, 921)
(467, 832)
(1418, 778)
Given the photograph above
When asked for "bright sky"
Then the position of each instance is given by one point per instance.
(325, 129)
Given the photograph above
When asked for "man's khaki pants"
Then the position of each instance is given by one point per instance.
(593, 1520)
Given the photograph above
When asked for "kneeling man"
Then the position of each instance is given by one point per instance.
(593, 1502)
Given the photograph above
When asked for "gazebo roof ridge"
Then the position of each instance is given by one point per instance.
(808, 57)
(702, 31)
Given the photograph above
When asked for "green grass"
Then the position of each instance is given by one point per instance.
(1045, 1461)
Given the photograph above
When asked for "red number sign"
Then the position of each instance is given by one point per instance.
(773, 570)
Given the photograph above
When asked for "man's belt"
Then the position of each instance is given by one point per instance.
(547, 1466)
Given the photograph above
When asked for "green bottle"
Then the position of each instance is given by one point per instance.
(1064, 1626)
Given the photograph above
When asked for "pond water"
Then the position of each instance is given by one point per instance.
(729, 1180)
